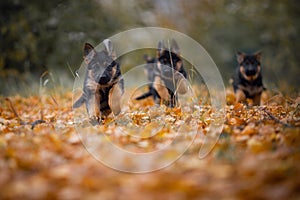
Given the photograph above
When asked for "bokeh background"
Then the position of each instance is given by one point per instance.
(36, 36)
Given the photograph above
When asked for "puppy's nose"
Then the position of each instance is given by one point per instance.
(166, 69)
(250, 72)
(104, 79)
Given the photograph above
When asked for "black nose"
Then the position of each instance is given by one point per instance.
(104, 79)
(250, 72)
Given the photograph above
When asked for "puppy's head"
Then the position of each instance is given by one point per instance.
(101, 64)
(249, 65)
(169, 58)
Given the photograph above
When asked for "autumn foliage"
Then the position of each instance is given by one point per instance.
(256, 157)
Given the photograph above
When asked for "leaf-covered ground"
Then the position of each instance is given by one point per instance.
(256, 157)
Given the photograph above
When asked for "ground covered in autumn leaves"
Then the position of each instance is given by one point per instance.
(256, 157)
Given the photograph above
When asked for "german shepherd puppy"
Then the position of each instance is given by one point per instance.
(247, 81)
(103, 84)
(166, 75)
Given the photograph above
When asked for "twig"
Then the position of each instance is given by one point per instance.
(54, 99)
(33, 124)
(36, 122)
(44, 74)
(42, 114)
(14, 111)
(275, 118)
(71, 70)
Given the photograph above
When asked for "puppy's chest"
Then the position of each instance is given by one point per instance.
(104, 93)
(251, 90)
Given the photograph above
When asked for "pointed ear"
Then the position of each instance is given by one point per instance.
(174, 47)
(160, 48)
(258, 56)
(88, 52)
(87, 49)
(109, 48)
(240, 56)
(147, 58)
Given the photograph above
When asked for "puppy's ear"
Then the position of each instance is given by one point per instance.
(258, 56)
(240, 57)
(109, 48)
(88, 52)
(87, 49)
(174, 47)
(147, 58)
(160, 48)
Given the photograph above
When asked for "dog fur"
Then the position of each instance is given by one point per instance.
(166, 75)
(248, 80)
(103, 84)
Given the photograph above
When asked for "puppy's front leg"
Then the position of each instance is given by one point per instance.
(161, 89)
(263, 98)
(182, 85)
(93, 107)
(114, 98)
(240, 96)
(256, 100)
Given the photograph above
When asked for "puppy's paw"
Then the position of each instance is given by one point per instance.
(94, 120)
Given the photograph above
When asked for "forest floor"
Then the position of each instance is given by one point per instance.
(42, 157)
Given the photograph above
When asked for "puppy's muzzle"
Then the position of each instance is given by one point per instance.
(167, 71)
(251, 72)
(104, 79)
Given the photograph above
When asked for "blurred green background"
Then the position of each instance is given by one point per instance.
(36, 36)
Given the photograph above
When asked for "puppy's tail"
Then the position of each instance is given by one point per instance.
(144, 96)
(79, 102)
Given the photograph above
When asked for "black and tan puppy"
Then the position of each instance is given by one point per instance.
(248, 81)
(103, 84)
(166, 75)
